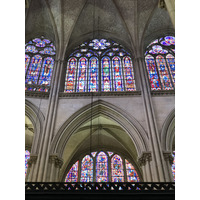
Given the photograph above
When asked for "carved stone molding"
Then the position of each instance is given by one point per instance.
(32, 159)
(146, 156)
(161, 4)
(168, 157)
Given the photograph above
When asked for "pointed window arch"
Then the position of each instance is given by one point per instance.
(103, 66)
(87, 169)
(72, 175)
(117, 171)
(160, 63)
(39, 62)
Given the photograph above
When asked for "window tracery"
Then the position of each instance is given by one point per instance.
(102, 167)
(39, 62)
(160, 63)
(102, 66)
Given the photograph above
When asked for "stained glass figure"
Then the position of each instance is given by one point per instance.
(152, 72)
(110, 153)
(117, 74)
(27, 60)
(71, 75)
(171, 64)
(132, 175)
(27, 156)
(38, 67)
(45, 76)
(87, 169)
(72, 175)
(173, 165)
(128, 74)
(93, 75)
(102, 167)
(82, 75)
(34, 70)
(163, 72)
(117, 172)
(106, 79)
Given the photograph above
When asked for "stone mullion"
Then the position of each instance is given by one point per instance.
(124, 169)
(157, 157)
(109, 169)
(79, 170)
(94, 169)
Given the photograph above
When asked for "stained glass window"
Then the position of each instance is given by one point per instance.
(102, 65)
(160, 63)
(117, 171)
(27, 156)
(102, 167)
(72, 175)
(102, 163)
(173, 165)
(39, 67)
(82, 75)
(87, 169)
(132, 175)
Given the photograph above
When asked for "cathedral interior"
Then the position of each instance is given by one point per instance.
(100, 97)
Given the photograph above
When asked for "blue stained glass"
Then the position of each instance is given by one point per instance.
(87, 169)
(93, 74)
(171, 65)
(72, 175)
(82, 75)
(88, 54)
(128, 74)
(117, 171)
(34, 69)
(99, 44)
(173, 165)
(27, 60)
(117, 74)
(156, 49)
(48, 51)
(106, 80)
(78, 55)
(27, 156)
(45, 76)
(31, 49)
(152, 72)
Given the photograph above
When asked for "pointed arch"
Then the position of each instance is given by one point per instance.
(129, 124)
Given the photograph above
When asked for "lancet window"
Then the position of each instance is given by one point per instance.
(160, 63)
(39, 62)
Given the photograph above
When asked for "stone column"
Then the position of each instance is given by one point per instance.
(52, 161)
(168, 167)
(31, 167)
(154, 141)
(144, 161)
(58, 165)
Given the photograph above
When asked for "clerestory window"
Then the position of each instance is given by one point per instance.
(160, 63)
(99, 65)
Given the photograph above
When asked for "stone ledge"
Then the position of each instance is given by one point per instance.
(163, 93)
(37, 94)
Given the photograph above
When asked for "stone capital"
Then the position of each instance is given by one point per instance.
(146, 156)
(56, 160)
(168, 157)
(32, 159)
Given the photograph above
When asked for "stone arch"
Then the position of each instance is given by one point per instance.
(168, 132)
(129, 124)
(37, 119)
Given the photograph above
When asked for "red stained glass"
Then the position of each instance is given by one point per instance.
(128, 74)
(87, 169)
(117, 74)
(106, 80)
(117, 169)
(93, 74)
(70, 75)
(82, 75)
(164, 75)
(102, 167)
(173, 165)
(171, 65)
(152, 72)
(72, 175)
(27, 60)
(132, 175)
(27, 156)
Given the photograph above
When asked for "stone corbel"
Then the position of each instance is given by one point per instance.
(32, 159)
(146, 156)
(56, 160)
(168, 157)
(161, 4)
